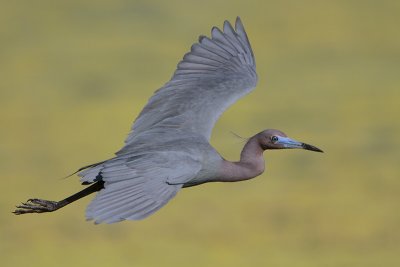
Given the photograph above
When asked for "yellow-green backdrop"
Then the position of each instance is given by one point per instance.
(74, 74)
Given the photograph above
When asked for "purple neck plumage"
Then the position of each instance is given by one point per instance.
(251, 163)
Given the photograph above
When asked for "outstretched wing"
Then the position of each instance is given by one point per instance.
(155, 162)
(212, 76)
(137, 186)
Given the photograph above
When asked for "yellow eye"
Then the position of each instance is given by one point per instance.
(274, 139)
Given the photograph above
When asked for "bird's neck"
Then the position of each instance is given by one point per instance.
(251, 163)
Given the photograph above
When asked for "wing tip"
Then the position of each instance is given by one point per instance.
(201, 37)
(214, 29)
(238, 23)
(228, 27)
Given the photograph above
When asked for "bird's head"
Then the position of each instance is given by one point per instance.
(275, 139)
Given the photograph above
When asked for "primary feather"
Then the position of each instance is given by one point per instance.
(212, 76)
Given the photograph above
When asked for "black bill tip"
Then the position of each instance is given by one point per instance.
(311, 148)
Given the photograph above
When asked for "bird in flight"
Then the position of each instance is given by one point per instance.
(168, 147)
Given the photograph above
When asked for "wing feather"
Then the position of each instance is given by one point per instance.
(201, 51)
(140, 185)
(190, 57)
(213, 75)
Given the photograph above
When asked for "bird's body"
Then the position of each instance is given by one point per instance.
(168, 147)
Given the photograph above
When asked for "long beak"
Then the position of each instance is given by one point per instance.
(311, 148)
(290, 143)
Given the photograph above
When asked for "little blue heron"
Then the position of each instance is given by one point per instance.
(168, 147)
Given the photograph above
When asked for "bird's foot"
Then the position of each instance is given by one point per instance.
(35, 205)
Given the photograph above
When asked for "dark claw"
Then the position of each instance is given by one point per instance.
(35, 205)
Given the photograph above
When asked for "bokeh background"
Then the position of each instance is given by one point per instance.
(74, 75)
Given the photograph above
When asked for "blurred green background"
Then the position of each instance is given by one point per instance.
(74, 75)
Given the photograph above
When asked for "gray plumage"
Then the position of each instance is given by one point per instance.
(168, 147)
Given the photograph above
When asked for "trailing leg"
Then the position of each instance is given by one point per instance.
(35, 205)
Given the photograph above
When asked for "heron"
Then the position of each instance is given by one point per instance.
(168, 146)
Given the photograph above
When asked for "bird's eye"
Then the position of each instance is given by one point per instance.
(274, 139)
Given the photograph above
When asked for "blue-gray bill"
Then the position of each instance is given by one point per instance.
(287, 142)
